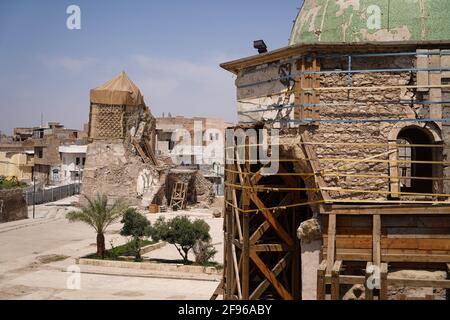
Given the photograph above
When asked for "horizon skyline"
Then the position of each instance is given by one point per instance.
(164, 48)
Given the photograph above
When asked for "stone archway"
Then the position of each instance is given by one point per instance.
(415, 134)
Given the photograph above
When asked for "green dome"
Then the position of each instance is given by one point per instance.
(354, 21)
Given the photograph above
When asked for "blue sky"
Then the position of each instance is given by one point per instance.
(170, 49)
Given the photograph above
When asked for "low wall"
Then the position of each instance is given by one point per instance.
(12, 205)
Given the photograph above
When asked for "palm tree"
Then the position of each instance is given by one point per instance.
(100, 216)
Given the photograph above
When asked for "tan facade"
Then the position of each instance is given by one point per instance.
(16, 163)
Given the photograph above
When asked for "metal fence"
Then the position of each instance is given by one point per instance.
(51, 195)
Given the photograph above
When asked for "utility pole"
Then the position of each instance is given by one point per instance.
(34, 193)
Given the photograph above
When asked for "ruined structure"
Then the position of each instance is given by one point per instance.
(120, 159)
(12, 205)
(361, 100)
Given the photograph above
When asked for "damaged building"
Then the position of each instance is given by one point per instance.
(120, 162)
(360, 99)
(120, 158)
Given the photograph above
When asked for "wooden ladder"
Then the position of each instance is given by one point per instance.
(178, 199)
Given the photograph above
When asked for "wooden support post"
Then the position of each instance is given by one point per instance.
(321, 281)
(245, 257)
(331, 247)
(229, 266)
(384, 282)
(281, 265)
(296, 262)
(369, 274)
(335, 287)
(376, 240)
(447, 292)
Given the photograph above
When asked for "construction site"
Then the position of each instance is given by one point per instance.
(358, 104)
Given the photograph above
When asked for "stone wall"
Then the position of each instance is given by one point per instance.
(114, 170)
(259, 89)
(12, 205)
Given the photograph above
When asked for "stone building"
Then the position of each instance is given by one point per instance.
(73, 160)
(120, 160)
(204, 144)
(47, 159)
(16, 160)
(360, 102)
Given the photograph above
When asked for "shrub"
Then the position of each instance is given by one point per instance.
(204, 252)
(136, 226)
(182, 233)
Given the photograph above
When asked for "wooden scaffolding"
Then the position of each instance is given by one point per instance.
(262, 253)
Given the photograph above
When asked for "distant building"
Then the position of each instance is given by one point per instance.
(47, 158)
(73, 160)
(22, 134)
(191, 141)
(196, 142)
(16, 160)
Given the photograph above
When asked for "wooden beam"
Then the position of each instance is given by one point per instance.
(280, 266)
(384, 282)
(266, 225)
(387, 210)
(271, 248)
(321, 283)
(376, 240)
(335, 286)
(403, 282)
(245, 258)
(280, 231)
(236, 272)
(331, 245)
(286, 295)
(369, 274)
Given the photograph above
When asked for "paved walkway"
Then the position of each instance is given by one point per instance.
(36, 254)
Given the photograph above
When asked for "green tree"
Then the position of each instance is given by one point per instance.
(137, 226)
(182, 233)
(99, 215)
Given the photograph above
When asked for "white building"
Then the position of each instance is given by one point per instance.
(73, 159)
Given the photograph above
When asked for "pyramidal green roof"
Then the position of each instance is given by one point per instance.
(354, 21)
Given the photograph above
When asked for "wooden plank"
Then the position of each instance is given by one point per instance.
(280, 266)
(426, 258)
(285, 294)
(236, 214)
(386, 210)
(266, 225)
(405, 243)
(245, 258)
(271, 248)
(418, 283)
(425, 222)
(219, 290)
(376, 239)
(384, 282)
(369, 273)
(350, 279)
(335, 286)
(315, 84)
(280, 231)
(321, 284)
(236, 272)
(422, 76)
(331, 243)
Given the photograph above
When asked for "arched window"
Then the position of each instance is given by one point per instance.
(411, 155)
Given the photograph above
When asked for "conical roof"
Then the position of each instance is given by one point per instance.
(118, 91)
(359, 21)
